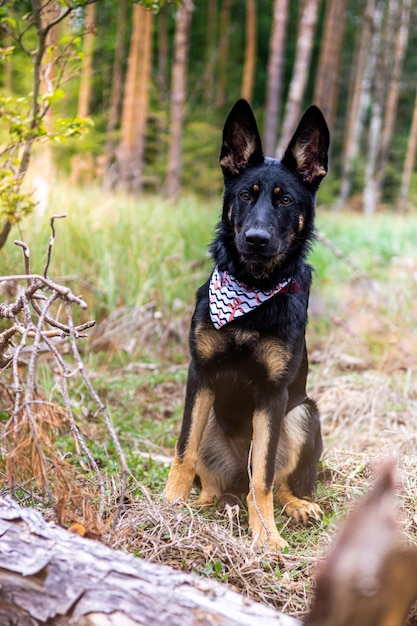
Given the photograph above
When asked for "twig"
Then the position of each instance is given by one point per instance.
(103, 411)
(51, 242)
(30, 431)
(361, 273)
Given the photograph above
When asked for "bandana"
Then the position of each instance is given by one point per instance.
(230, 298)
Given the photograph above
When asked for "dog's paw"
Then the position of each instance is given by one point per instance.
(268, 540)
(302, 510)
(205, 500)
(273, 542)
(172, 495)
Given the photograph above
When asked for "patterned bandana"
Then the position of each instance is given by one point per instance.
(230, 298)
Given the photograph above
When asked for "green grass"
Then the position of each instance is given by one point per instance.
(118, 250)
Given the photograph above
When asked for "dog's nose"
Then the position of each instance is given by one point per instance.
(257, 238)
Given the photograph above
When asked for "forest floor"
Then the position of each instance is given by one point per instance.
(362, 344)
(363, 374)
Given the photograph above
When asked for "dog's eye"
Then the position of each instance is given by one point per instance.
(245, 195)
(285, 199)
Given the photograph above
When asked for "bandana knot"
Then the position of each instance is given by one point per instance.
(229, 298)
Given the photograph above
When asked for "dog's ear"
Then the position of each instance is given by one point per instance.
(241, 146)
(307, 151)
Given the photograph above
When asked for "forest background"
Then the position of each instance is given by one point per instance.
(156, 87)
(111, 112)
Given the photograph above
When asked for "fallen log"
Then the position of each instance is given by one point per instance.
(48, 575)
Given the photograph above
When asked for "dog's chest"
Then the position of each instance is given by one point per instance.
(237, 347)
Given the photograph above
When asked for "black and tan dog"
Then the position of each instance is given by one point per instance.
(247, 377)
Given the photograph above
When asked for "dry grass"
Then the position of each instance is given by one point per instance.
(364, 379)
(363, 376)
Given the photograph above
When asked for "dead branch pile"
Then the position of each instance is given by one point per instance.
(41, 319)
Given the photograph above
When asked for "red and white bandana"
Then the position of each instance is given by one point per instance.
(230, 298)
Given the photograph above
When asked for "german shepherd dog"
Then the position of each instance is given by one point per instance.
(248, 425)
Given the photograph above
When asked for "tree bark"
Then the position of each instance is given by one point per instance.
(305, 35)
(250, 51)
(327, 81)
(408, 163)
(377, 93)
(135, 102)
(275, 75)
(50, 575)
(391, 101)
(178, 95)
(162, 73)
(117, 82)
(211, 52)
(84, 95)
(223, 52)
(362, 72)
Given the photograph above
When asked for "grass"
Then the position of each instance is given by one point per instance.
(138, 263)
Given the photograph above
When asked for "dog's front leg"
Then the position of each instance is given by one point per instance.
(198, 402)
(260, 497)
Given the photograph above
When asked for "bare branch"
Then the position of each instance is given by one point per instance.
(27, 438)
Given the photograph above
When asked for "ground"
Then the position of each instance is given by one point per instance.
(363, 361)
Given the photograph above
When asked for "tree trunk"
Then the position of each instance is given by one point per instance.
(275, 75)
(178, 95)
(391, 101)
(223, 52)
(362, 74)
(305, 35)
(162, 72)
(135, 102)
(408, 162)
(211, 52)
(117, 82)
(328, 72)
(48, 575)
(375, 125)
(84, 96)
(250, 51)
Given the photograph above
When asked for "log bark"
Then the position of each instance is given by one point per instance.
(50, 575)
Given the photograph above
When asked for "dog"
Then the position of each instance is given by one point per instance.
(248, 425)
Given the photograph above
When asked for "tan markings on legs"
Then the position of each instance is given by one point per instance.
(295, 507)
(260, 501)
(210, 488)
(291, 442)
(183, 470)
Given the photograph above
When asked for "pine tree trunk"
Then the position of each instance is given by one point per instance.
(275, 75)
(408, 163)
(84, 95)
(250, 50)
(178, 95)
(377, 96)
(117, 81)
(305, 36)
(327, 80)
(135, 103)
(223, 52)
(162, 71)
(391, 101)
(362, 73)
(211, 52)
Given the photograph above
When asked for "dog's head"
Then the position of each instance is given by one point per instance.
(268, 211)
